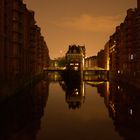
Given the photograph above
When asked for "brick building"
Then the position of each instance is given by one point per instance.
(106, 56)
(91, 61)
(100, 58)
(2, 38)
(23, 51)
(124, 47)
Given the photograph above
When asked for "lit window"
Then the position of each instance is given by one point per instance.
(75, 68)
(119, 71)
(76, 92)
(113, 49)
(131, 111)
(131, 57)
(118, 87)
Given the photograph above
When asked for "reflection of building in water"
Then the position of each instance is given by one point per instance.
(123, 107)
(53, 76)
(103, 90)
(106, 93)
(20, 116)
(102, 87)
(75, 93)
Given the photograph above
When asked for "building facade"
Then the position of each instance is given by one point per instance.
(91, 62)
(100, 58)
(2, 38)
(124, 48)
(75, 58)
(23, 51)
(106, 56)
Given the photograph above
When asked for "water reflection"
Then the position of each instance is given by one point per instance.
(74, 91)
(20, 117)
(53, 77)
(24, 118)
(123, 106)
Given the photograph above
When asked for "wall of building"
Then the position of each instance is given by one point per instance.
(124, 48)
(138, 3)
(1, 38)
(100, 58)
(106, 56)
(91, 61)
(75, 57)
(23, 51)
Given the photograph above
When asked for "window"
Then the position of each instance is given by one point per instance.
(119, 71)
(131, 56)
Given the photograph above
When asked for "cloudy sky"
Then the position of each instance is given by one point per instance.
(81, 22)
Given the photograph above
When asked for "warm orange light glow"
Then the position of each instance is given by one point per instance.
(108, 59)
(107, 87)
(86, 22)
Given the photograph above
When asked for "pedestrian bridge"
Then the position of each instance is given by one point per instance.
(64, 68)
(94, 69)
(54, 69)
(88, 74)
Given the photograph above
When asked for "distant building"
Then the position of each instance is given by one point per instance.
(91, 61)
(106, 56)
(75, 57)
(100, 59)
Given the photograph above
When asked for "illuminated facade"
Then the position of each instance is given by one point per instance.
(75, 58)
(106, 56)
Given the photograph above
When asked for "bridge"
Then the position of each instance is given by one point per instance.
(75, 64)
(57, 69)
(88, 74)
(94, 69)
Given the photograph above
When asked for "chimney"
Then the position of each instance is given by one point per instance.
(138, 4)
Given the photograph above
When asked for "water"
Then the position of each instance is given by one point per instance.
(55, 109)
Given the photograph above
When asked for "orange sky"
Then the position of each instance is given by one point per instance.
(81, 22)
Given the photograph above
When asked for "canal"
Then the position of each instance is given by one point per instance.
(71, 110)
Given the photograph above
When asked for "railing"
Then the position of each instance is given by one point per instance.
(92, 68)
(64, 68)
(54, 69)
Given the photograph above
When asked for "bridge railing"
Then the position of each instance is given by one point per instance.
(93, 68)
(54, 68)
(85, 68)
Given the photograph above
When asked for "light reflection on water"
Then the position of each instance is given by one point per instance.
(75, 110)
(57, 108)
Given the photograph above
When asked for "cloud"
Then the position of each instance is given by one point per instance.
(89, 23)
